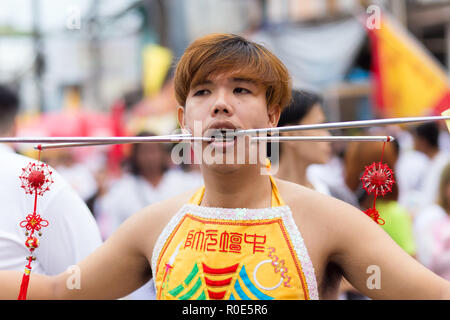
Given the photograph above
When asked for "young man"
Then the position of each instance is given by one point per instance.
(285, 242)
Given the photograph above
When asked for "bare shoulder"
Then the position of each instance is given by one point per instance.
(145, 226)
(139, 233)
(321, 212)
(322, 219)
(315, 205)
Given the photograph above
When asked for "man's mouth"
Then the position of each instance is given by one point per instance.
(221, 135)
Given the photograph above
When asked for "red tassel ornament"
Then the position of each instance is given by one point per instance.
(24, 284)
(373, 213)
(377, 180)
(36, 179)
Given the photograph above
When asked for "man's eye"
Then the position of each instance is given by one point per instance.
(201, 92)
(241, 90)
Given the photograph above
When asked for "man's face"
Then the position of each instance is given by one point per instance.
(226, 103)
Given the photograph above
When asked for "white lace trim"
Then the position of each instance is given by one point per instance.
(234, 214)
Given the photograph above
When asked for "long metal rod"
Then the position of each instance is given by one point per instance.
(89, 141)
(324, 138)
(253, 139)
(55, 142)
(122, 140)
(344, 125)
(97, 140)
(72, 145)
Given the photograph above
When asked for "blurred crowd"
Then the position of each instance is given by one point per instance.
(416, 212)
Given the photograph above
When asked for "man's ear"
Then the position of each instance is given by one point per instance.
(274, 113)
(180, 117)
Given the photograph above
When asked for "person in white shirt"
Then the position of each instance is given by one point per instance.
(426, 140)
(423, 231)
(79, 175)
(72, 233)
(432, 230)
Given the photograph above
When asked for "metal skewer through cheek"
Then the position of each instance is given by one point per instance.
(63, 142)
(344, 125)
(106, 141)
(207, 139)
(324, 138)
(94, 140)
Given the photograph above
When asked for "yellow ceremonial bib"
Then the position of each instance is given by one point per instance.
(233, 254)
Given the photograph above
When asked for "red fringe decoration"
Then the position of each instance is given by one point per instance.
(24, 284)
(36, 179)
(373, 213)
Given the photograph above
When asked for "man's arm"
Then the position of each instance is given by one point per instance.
(375, 264)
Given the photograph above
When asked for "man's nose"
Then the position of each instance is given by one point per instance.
(222, 105)
(221, 108)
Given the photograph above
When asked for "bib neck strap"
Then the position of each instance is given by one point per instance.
(276, 200)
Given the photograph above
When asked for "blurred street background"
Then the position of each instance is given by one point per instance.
(105, 68)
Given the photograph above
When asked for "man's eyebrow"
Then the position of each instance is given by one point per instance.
(244, 80)
(201, 83)
(235, 79)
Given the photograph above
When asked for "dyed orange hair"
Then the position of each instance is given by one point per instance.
(237, 56)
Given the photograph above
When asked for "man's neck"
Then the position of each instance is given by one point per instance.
(242, 187)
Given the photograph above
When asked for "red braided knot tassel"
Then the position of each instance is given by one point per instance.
(377, 179)
(36, 179)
